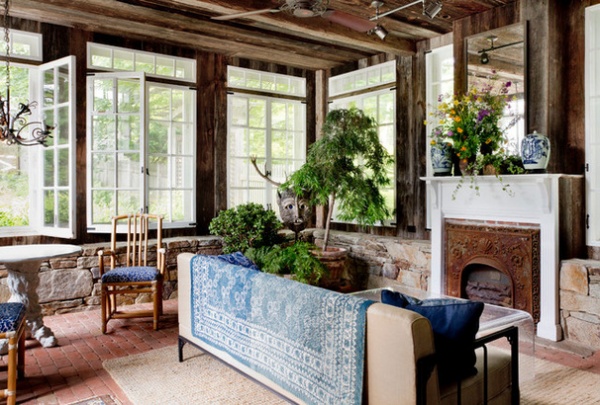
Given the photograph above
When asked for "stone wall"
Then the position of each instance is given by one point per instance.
(70, 284)
(580, 301)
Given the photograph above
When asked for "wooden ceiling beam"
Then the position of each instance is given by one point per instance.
(123, 19)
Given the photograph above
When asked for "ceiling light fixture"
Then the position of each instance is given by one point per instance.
(16, 129)
(380, 32)
(378, 29)
(485, 58)
(430, 10)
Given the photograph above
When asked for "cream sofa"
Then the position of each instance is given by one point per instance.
(399, 366)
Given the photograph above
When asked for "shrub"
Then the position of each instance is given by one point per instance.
(246, 226)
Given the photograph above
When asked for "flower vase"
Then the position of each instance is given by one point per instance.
(467, 166)
(535, 152)
(441, 159)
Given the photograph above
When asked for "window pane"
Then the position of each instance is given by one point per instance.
(128, 170)
(165, 66)
(48, 87)
(103, 208)
(48, 168)
(128, 202)
(129, 132)
(63, 209)
(238, 111)
(48, 207)
(63, 84)
(144, 63)
(103, 170)
(103, 133)
(128, 96)
(63, 167)
(123, 60)
(159, 103)
(258, 113)
(62, 127)
(103, 95)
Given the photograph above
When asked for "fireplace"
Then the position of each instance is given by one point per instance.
(537, 204)
(496, 264)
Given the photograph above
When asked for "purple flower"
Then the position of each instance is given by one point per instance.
(450, 133)
(482, 114)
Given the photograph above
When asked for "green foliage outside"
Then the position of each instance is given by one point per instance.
(14, 188)
(246, 226)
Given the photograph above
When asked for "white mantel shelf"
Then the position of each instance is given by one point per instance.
(533, 199)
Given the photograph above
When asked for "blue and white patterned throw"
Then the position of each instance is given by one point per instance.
(308, 340)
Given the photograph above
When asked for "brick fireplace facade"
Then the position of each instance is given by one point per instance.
(497, 263)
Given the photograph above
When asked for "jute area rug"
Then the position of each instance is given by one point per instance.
(157, 377)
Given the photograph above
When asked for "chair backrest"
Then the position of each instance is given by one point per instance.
(137, 229)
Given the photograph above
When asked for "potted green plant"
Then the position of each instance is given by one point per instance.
(347, 165)
(246, 226)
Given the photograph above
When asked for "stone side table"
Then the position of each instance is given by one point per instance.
(23, 264)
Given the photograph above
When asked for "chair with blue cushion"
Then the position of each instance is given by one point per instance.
(12, 328)
(136, 268)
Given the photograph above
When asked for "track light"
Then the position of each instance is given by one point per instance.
(379, 31)
(485, 59)
(432, 9)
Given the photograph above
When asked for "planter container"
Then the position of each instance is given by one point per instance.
(535, 152)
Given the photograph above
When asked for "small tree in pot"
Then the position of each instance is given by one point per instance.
(347, 165)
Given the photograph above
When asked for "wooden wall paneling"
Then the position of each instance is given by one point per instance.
(211, 158)
(575, 114)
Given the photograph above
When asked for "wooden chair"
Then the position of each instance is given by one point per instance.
(12, 328)
(129, 271)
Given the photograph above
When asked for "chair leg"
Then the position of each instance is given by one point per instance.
(157, 302)
(104, 305)
(11, 391)
(21, 354)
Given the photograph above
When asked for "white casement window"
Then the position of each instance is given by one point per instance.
(38, 182)
(266, 126)
(439, 83)
(141, 152)
(113, 58)
(592, 123)
(377, 98)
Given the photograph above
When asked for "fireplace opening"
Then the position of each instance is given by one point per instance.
(487, 284)
(494, 264)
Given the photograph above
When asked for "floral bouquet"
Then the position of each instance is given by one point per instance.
(472, 121)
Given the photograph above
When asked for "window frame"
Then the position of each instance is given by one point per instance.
(36, 170)
(144, 120)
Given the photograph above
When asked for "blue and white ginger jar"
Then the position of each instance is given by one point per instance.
(535, 151)
(441, 158)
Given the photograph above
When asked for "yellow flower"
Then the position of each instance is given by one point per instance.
(424, 122)
(457, 119)
(463, 148)
(459, 130)
(455, 102)
(432, 142)
(487, 141)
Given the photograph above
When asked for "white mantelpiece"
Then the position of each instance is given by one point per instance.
(532, 199)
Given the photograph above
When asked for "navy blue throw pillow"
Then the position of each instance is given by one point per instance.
(239, 259)
(455, 324)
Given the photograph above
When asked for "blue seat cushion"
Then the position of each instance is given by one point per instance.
(11, 315)
(131, 274)
(454, 322)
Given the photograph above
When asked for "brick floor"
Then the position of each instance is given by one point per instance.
(72, 371)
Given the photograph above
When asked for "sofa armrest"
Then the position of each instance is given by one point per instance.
(400, 346)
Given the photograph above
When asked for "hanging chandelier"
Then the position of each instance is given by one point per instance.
(14, 127)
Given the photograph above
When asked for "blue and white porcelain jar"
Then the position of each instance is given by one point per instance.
(441, 159)
(535, 152)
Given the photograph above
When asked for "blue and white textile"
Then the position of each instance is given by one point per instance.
(308, 340)
(11, 314)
